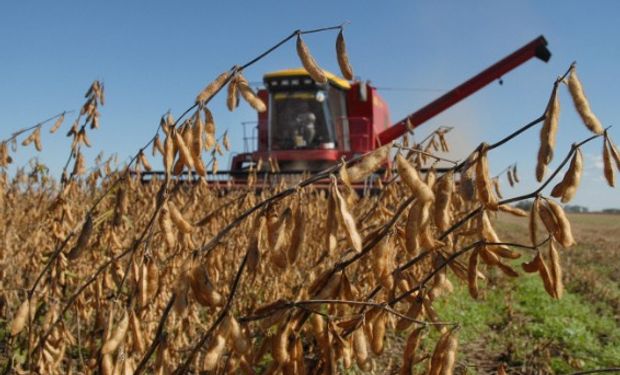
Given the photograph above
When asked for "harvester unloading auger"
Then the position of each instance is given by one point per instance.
(308, 127)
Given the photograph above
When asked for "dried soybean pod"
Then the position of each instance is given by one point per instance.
(488, 256)
(168, 152)
(548, 134)
(614, 152)
(321, 281)
(82, 241)
(232, 94)
(513, 210)
(296, 364)
(483, 181)
(157, 146)
(73, 131)
(380, 256)
(555, 270)
(532, 265)
(514, 174)
(309, 63)
(254, 247)
(607, 166)
(472, 274)
(412, 179)
(425, 233)
(353, 236)
(214, 352)
(226, 141)
(152, 284)
(510, 179)
(129, 366)
(533, 224)
(567, 188)
(143, 160)
(343, 58)
(213, 87)
(136, 334)
(279, 345)
(564, 234)
(177, 218)
(543, 271)
(317, 325)
(575, 177)
(180, 289)
(203, 289)
(28, 140)
(369, 163)
(443, 199)
(232, 329)
(350, 193)
(5, 158)
(581, 103)
(328, 350)
(196, 145)
(360, 346)
(117, 336)
(411, 347)
(83, 137)
(449, 357)
(489, 234)
(248, 94)
(214, 167)
(467, 188)
(541, 169)
(143, 286)
(58, 123)
(107, 365)
(412, 242)
(330, 287)
(165, 223)
(185, 156)
(209, 129)
(331, 224)
(498, 192)
(277, 225)
(441, 134)
(37, 139)
(344, 351)
(437, 359)
(79, 168)
(507, 270)
(548, 219)
(298, 236)
(21, 316)
(378, 333)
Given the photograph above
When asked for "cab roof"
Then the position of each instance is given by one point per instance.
(296, 72)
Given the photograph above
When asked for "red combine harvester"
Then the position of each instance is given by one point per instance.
(309, 127)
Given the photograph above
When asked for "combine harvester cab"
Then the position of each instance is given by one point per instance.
(309, 127)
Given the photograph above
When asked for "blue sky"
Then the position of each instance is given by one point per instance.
(154, 56)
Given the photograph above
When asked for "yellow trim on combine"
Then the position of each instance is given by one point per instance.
(335, 80)
(293, 95)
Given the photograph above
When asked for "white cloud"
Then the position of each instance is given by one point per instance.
(593, 161)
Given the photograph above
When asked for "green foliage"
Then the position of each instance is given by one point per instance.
(518, 323)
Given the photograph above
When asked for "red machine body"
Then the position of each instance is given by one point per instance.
(309, 127)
